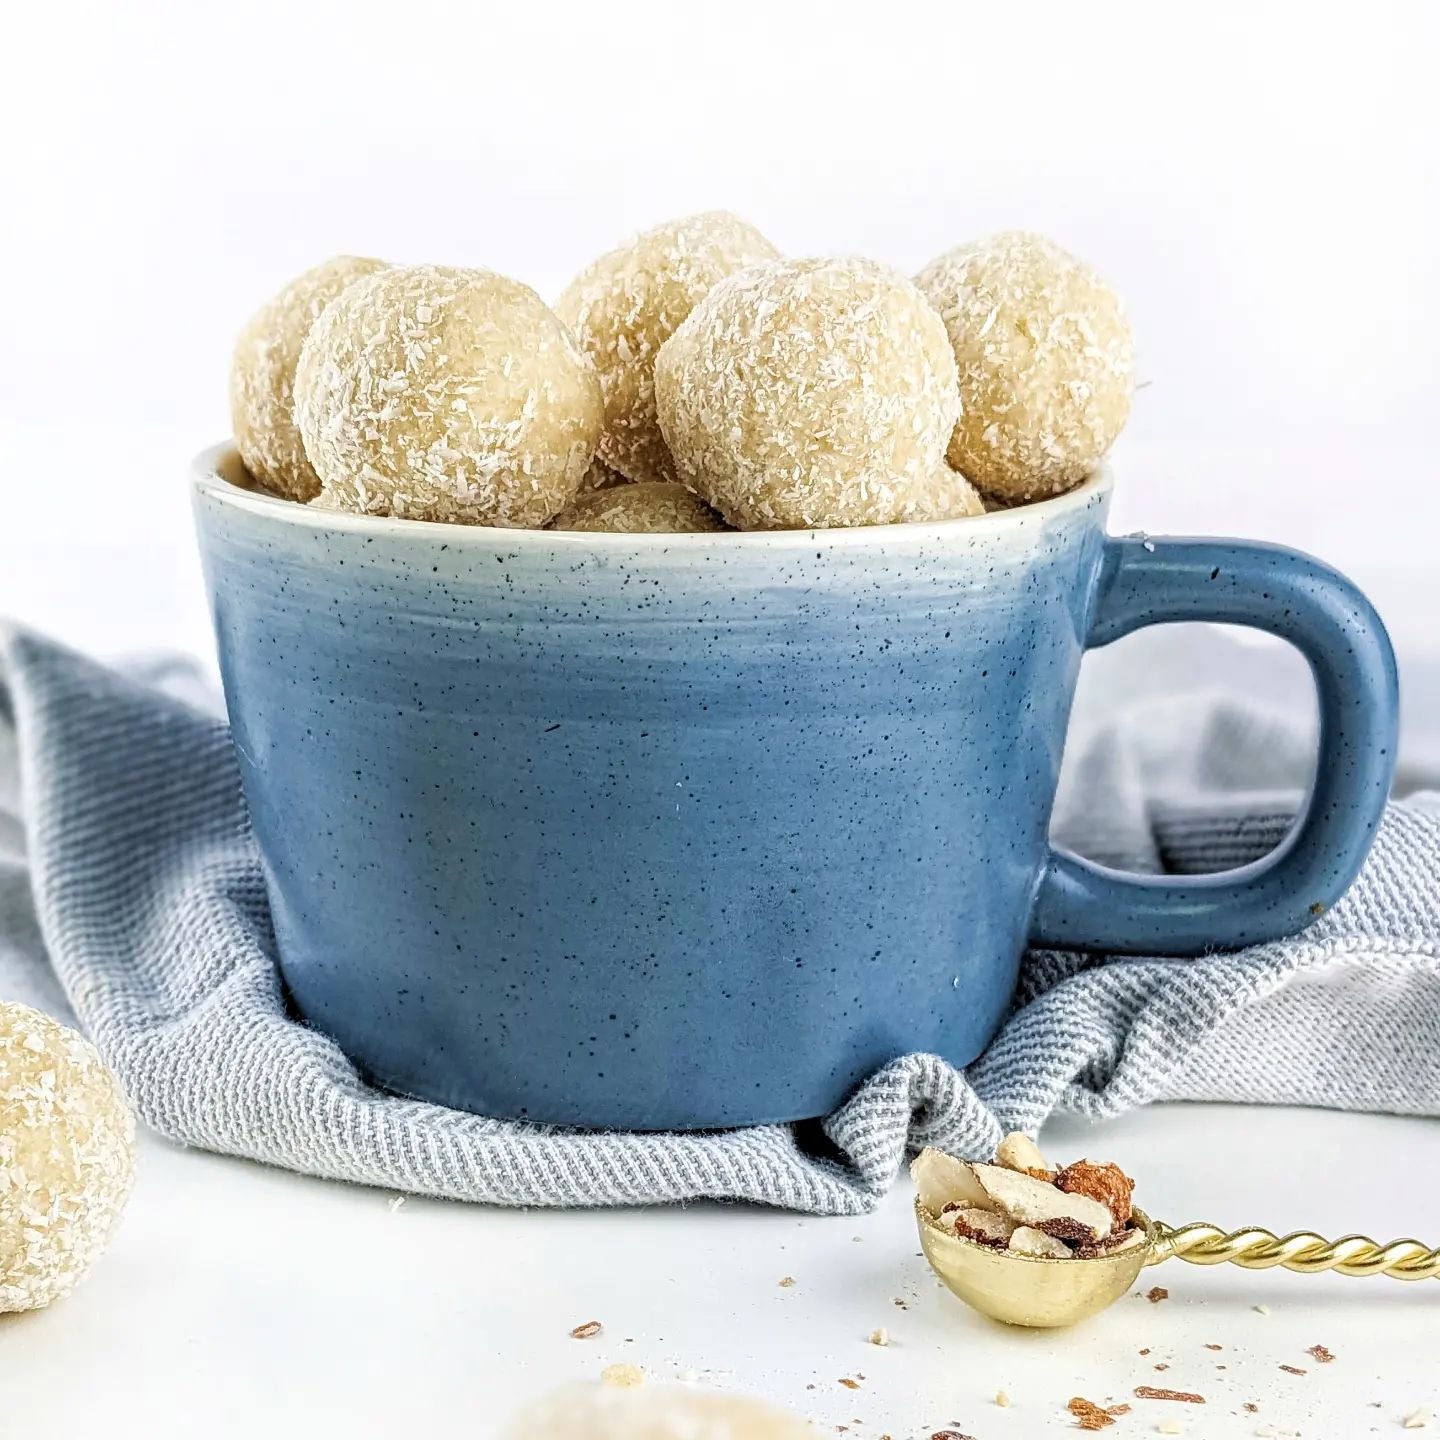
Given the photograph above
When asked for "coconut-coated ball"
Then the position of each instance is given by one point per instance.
(947, 495)
(262, 376)
(810, 393)
(653, 507)
(434, 393)
(654, 1412)
(600, 477)
(67, 1154)
(1046, 362)
(629, 302)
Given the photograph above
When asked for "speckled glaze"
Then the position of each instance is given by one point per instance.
(653, 831)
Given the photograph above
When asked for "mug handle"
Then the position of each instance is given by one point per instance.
(1084, 906)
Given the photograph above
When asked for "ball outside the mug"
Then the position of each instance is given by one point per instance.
(67, 1156)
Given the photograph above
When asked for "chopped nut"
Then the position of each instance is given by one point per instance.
(1416, 1420)
(985, 1227)
(1029, 1201)
(848, 1383)
(1018, 1151)
(1162, 1367)
(1210, 1345)
(1146, 1350)
(942, 1180)
(1028, 1241)
(1112, 1244)
(786, 1281)
(1108, 1184)
(585, 1331)
(1002, 1399)
(1320, 1353)
(1250, 1408)
(1149, 1392)
(1156, 1293)
(1261, 1309)
(950, 1435)
(623, 1377)
(880, 1336)
(1169, 1427)
(1294, 1370)
(1090, 1416)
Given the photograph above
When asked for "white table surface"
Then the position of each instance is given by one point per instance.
(241, 1301)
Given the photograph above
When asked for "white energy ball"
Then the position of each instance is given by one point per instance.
(1046, 363)
(434, 393)
(628, 303)
(640, 508)
(262, 376)
(67, 1155)
(810, 393)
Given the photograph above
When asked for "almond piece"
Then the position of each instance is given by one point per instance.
(1019, 1152)
(1026, 1240)
(1107, 1183)
(942, 1180)
(985, 1227)
(1029, 1201)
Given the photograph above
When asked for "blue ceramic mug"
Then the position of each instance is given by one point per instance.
(655, 831)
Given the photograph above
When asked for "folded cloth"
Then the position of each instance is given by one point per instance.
(131, 899)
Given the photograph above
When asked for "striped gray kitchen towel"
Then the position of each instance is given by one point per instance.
(131, 900)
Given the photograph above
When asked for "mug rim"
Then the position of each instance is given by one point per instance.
(208, 480)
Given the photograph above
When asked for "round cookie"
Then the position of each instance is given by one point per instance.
(810, 393)
(1046, 361)
(67, 1155)
(629, 302)
(654, 1412)
(652, 507)
(434, 393)
(262, 376)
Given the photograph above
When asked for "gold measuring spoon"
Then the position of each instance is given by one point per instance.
(1046, 1293)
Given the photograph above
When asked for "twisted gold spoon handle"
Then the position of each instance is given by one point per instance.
(1256, 1249)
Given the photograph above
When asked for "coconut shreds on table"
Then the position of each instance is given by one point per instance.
(623, 1376)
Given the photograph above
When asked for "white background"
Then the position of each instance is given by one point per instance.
(1258, 180)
